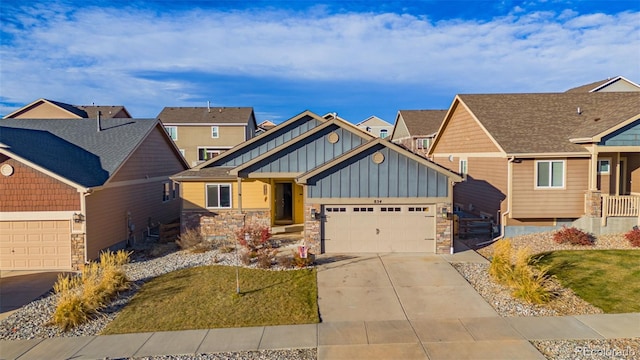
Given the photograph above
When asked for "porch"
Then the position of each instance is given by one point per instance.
(620, 206)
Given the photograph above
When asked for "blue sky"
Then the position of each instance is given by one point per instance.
(356, 58)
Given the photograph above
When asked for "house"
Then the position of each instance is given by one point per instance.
(348, 190)
(72, 188)
(202, 133)
(265, 126)
(415, 129)
(50, 109)
(376, 126)
(534, 162)
(616, 84)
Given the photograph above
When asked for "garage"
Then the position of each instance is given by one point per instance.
(35, 245)
(379, 228)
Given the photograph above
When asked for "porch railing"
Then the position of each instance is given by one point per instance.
(625, 206)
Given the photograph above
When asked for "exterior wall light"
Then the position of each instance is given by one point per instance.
(78, 218)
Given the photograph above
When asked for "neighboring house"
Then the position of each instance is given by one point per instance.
(72, 188)
(349, 191)
(49, 109)
(415, 129)
(376, 126)
(616, 84)
(202, 133)
(534, 162)
(264, 126)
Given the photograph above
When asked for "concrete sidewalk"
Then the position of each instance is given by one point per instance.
(497, 338)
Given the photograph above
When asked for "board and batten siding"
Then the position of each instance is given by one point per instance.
(253, 194)
(529, 202)
(107, 213)
(463, 134)
(397, 176)
(627, 136)
(270, 140)
(308, 153)
(153, 158)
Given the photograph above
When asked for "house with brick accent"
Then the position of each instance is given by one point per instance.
(51, 109)
(71, 188)
(348, 190)
(536, 162)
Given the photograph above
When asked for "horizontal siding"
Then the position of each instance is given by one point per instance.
(194, 194)
(529, 202)
(107, 213)
(397, 176)
(30, 190)
(153, 158)
(463, 134)
(45, 111)
(633, 173)
(627, 136)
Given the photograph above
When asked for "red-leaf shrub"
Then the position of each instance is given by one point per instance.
(633, 236)
(253, 237)
(573, 236)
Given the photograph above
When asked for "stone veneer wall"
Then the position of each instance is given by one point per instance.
(223, 223)
(444, 229)
(312, 229)
(593, 206)
(77, 251)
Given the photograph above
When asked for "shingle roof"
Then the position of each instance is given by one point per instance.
(422, 122)
(588, 87)
(106, 111)
(73, 148)
(216, 172)
(545, 123)
(217, 115)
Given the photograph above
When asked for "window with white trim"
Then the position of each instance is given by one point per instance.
(218, 196)
(604, 166)
(463, 167)
(172, 131)
(215, 132)
(207, 153)
(423, 143)
(550, 174)
(175, 191)
(166, 192)
(384, 133)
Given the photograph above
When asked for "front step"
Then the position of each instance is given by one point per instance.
(287, 229)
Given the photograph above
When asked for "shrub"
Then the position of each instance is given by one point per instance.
(193, 240)
(573, 236)
(500, 268)
(302, 262)
(264, 260)
(527, 282)
(254, 237)
(285, 262)
(633, 236)
(71, 311)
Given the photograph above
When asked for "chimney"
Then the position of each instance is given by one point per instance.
(98, 118)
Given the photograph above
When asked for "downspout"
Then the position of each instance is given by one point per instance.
(503, 216)
(83, 211)
(240, 201)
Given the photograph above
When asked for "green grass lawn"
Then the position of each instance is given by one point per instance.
(608, 279)
(205, 297)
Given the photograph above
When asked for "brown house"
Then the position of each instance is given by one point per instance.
(202, 133)
(416, 129)
(50, 109)
(71, 188)
(534, 162)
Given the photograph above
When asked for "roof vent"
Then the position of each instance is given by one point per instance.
(98, 118)
(208, 106)
(579, 111)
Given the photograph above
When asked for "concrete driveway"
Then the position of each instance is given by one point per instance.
(409, 306)
(20, 288)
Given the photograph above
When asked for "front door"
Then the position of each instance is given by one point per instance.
(284, 203)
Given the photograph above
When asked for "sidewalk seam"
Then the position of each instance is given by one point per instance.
(201, 341)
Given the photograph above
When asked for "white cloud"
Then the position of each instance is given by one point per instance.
(98, 52)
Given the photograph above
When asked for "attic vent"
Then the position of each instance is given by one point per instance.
(333, 138)
(377, 158)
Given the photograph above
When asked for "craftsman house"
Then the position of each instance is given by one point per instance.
(415, 129)
(202, 133)
(72, 188)
(349, 191)
(534, 162)
(49, 109)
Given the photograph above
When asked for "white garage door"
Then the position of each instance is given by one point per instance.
(35, 245)
(379, 228)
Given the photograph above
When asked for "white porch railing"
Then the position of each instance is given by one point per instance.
(625, 206)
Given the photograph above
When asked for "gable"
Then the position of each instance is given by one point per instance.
(463, 134)
(620, 85)
(626, 136)
(400, 129)
(265, 142)
(359, 176)
(374, 121)
(43, 110)
(309, 152)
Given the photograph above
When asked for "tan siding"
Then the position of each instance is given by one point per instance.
(45, 111)
(463, 134)
(194, 194)
(154, 157)
(633, 173)
(529, 202)
(30, 190)
(192, 137)
(107, 213)
(400, 130)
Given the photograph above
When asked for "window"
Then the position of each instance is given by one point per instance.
(182, 152)
(207, 153)
(166, 192)
(172, 131)
(604, 167)
(176, 190)
(550, 174)
(383, 133)
(423, 143)
(219, 196)
(463, 167)
(214, 132)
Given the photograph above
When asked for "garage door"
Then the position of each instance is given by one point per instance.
(35, 245)
(397, 228)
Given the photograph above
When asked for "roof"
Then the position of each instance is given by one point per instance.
(210, 173)
(545, 123)
(73, 148)
(373, 121)
(598, 85)
(422, 122)
(207, 115)
(81, 111)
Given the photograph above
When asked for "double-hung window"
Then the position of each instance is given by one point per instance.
(604, 167)
(550, 174)
(219, 196)
(383, 133)
(463, 167)
(423, 143)
(166, 192)
(215, 132)
(172, 131)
